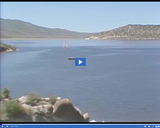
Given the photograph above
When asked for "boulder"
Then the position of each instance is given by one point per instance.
(65, 111)
(22, 99)
(86, 117)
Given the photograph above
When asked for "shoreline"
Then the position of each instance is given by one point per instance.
(78, 39)
(121, 39)
(9, 50)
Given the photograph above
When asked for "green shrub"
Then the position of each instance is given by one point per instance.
(33, 99)
(52, 100)
(5, 93)
(14, 110)
(2, 112)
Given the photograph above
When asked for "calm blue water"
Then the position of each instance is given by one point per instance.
(121, 81)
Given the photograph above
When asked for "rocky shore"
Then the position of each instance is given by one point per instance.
(31, 108)
(7, 48)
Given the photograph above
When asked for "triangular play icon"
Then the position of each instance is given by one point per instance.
(80, 61)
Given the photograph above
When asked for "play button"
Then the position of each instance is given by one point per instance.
(80, 61)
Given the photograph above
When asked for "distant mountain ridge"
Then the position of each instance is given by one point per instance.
(130, 32)
(22, 29)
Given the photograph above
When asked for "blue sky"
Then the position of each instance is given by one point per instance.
(83, 16)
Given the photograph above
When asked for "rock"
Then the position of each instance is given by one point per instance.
(48, 109)
(65, 111)
(48, 118)
(42, 109)
(57, 119)
(42, 113)
(45, 99)
(35, 109)
(6, 47)
(92, 121)
(43, 103)
(45, 109)
(22, 99)
(78, 110)
(38, 117)
(28, 107)
(86, 117)
(58, 98)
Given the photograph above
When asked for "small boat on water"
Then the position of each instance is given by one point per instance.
(71, 58)
(65, 45)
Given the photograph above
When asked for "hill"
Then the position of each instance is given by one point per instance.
(21, 29)
(130, 32)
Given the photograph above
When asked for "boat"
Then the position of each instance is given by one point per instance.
(65, 45)
(71, 58)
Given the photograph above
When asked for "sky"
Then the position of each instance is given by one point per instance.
(83, 16)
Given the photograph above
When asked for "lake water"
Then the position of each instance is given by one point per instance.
(120, 82)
